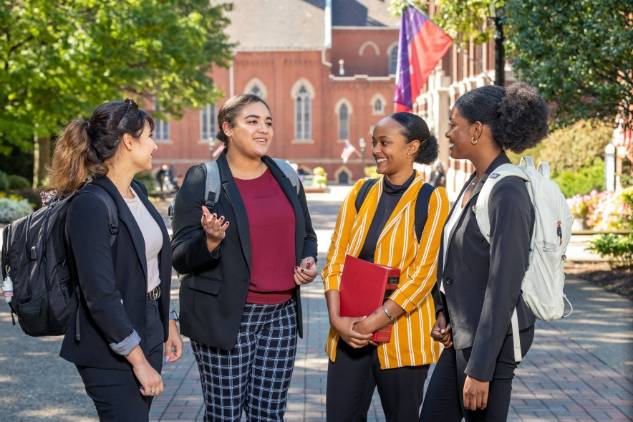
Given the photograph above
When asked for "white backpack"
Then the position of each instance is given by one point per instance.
(542, 286)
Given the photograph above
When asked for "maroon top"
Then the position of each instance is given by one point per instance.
(271, 227)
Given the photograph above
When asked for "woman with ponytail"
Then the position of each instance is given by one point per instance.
(122, 324)
(480, 281)
(387, 227)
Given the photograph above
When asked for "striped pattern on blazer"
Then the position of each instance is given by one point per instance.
(397, 246)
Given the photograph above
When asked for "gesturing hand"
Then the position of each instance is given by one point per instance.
(215, 228)
(306, 271)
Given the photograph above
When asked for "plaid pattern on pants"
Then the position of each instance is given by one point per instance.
(255, 375)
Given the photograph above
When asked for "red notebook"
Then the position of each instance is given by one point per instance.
(364, 287)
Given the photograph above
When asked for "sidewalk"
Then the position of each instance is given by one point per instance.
(579, 369)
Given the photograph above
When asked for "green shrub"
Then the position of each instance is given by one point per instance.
(147, 179)
(582, 181)
(371, 171)
(320, 177)
(18, 182)
(33, 196)
(12, 209)
(4, 181)
(616, 247)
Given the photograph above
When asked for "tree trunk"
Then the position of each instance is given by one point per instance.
(41, 160)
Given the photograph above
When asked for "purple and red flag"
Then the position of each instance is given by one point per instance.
(422, 44)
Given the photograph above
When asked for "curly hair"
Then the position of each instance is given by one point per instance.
(517, 115)
(415, 128)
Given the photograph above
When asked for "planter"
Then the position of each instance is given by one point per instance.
(578, 224)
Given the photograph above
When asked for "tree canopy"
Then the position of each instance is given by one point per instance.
(578, 53)
(59, 59)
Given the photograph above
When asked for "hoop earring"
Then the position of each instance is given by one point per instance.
(474, 140)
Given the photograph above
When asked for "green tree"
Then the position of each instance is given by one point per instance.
(462, 20)
(59, 59)
(578, 54)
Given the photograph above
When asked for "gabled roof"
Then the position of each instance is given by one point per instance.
(368, 13)
(277, 24)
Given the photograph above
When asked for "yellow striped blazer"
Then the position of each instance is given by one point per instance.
(397, 246)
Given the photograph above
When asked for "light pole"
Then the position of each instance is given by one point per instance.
(361, 146)
(497, 18)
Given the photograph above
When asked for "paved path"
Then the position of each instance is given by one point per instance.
(579, 369)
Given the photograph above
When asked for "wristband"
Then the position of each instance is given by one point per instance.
(388, 314)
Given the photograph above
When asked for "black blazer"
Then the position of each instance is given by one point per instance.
(482, 281)
(214, 286)
(113, 280)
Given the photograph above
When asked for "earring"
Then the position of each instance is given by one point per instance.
(474, 140)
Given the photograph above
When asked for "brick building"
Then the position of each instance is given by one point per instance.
(326, 68)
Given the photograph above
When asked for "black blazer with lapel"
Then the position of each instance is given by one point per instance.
(214, 285)
(112, 280)
(482, 281)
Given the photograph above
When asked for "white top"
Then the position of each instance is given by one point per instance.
(448, 229)
(152, 236)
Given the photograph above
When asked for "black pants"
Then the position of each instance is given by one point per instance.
(444, 399)
(351, 381)
(115, 392)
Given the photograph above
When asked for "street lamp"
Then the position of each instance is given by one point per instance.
(497, 18)
(361, 146)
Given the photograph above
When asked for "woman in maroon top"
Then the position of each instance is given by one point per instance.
(243, 259)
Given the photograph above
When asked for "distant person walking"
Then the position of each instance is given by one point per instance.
(122, 326)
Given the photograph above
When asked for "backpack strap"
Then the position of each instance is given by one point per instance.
(289, 172)
(362, 193)
(422, 208)
(212, 184)
(113, 215)
(481, 206)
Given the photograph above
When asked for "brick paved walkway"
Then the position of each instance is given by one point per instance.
(578, 369)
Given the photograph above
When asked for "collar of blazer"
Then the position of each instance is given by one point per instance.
(235, 200)
(502, 158)
(368, 210)
(126, 217)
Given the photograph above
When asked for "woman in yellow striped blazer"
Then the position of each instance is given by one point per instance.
(383, 231)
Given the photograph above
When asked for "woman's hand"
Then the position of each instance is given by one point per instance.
(215, 228)
(344, 326)
(442, 331)
(475, 394)
(173, 345)
(150, 380)
(306, 271)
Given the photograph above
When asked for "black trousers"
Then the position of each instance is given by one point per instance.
(444, 399)
(352, 379)
(116, 393)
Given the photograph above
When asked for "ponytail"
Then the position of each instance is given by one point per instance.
(70, 159)
(83, 150)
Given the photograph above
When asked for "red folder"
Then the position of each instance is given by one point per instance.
(364, 287)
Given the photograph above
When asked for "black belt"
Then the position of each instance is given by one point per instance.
(154, 294)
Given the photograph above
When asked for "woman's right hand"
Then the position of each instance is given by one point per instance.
(150, 380)
(215, 228)
(442, 331)
(344, 326)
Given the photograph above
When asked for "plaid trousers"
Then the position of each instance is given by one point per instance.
(255, 375)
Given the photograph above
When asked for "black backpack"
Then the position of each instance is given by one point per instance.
(421, 203)
(36, 258)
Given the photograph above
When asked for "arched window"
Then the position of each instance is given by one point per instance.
(393, 60)
(378, 106)
(208, 123)
(161, 127)
(343, 122)
(256, 90)
(303, 114)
